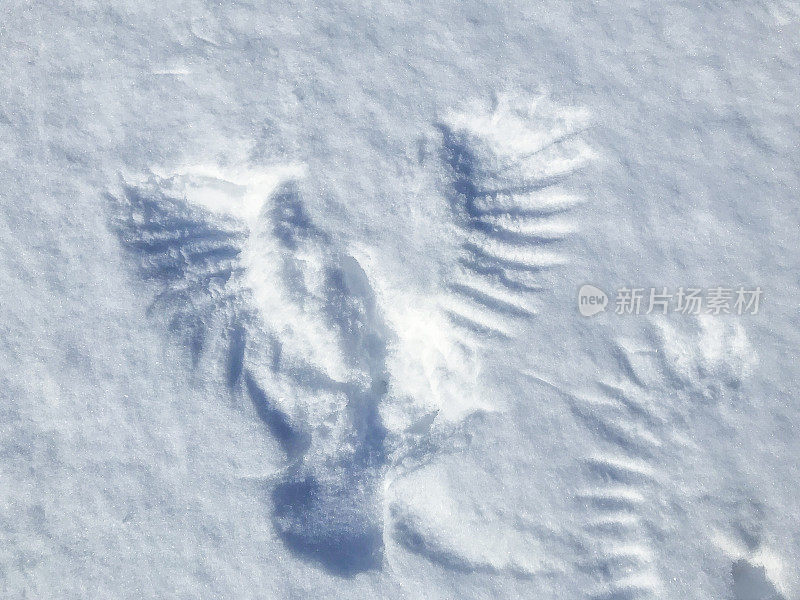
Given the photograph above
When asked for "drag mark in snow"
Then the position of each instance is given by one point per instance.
(508, 171)
(642, 420)
(507, 178)
(622, 483)
(622, 476)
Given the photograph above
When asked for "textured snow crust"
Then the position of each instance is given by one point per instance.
(289, 300)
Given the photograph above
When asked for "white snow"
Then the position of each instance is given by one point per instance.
(288, 300)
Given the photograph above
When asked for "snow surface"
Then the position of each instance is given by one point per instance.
(289, 300)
